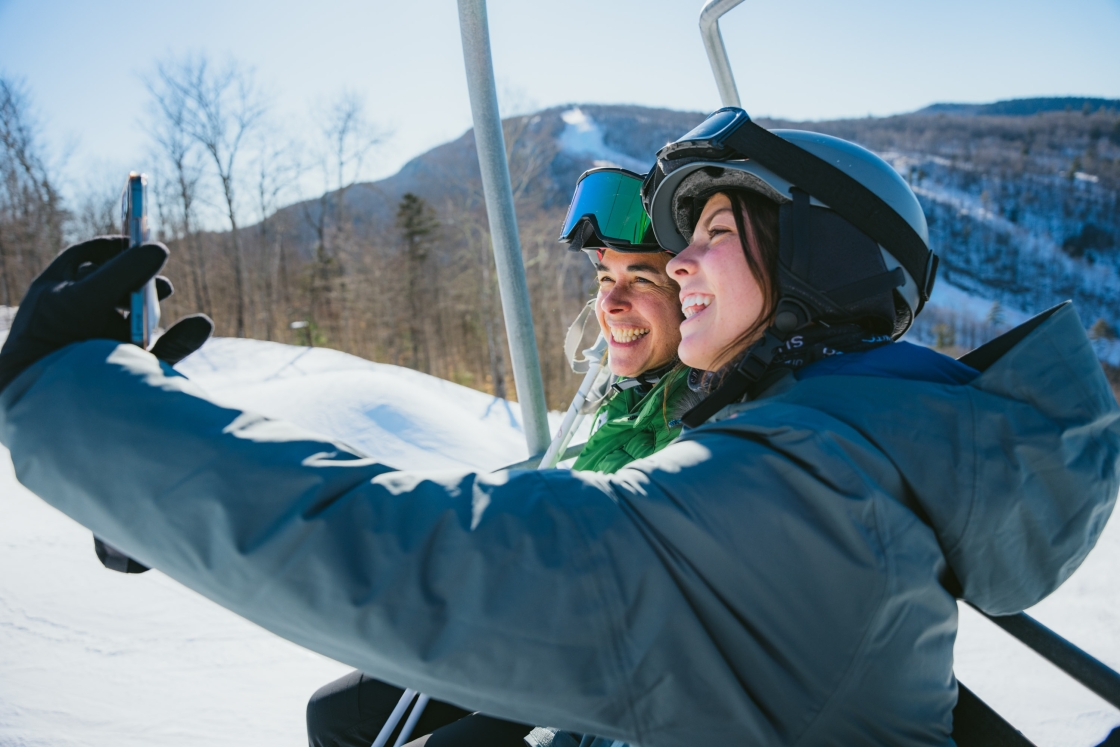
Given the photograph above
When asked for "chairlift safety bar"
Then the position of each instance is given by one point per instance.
(717, 52)
(1093, 674)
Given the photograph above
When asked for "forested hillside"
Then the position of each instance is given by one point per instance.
(1022, 199)
(1024, 210)
(1023, 207)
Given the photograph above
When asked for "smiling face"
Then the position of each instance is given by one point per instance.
(638, 311)
(720, 297)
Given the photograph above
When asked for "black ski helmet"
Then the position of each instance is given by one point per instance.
(854, 240)
(854, 245)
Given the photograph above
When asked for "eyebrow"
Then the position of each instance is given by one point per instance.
(712, 217)
(631, 268)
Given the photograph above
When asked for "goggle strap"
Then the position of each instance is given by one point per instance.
(579, 235)
(799, 250)
(852, 200)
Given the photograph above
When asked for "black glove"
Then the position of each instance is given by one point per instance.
(115, 560)
(83, 295)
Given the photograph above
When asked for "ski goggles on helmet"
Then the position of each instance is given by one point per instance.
(609, 201)
(708, 140)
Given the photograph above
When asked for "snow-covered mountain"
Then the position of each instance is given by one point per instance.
(1022, 197)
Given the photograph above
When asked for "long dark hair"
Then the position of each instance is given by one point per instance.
(756, 220)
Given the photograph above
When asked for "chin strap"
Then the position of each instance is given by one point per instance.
(777, 350)
(646, 380)
(738, 381)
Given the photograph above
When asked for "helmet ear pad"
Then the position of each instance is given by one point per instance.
(834, 255)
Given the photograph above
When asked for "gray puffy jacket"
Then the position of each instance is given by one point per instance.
(774, 578)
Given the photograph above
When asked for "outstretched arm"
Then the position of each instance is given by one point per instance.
(492, 591)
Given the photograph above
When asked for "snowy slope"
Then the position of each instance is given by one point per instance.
(92, 657)
(582, 136)
(403, 417)
(96, 658)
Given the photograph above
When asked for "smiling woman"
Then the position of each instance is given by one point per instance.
(637, 311)
(640, 316)
(726, 278)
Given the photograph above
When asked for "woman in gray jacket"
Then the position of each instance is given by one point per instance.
(784, 573)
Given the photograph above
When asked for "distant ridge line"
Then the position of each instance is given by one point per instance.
(1024, 107)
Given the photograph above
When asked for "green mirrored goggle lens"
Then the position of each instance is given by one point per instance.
(613, 201)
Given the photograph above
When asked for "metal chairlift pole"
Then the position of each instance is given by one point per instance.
(717, 52)
(503, 223)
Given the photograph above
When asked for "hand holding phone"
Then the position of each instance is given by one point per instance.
(144, 308)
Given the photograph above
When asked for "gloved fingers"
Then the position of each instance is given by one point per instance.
(183, 338)
(164, 289)
(73, 259)
(123, 274)
(113, 326)
(114, 559)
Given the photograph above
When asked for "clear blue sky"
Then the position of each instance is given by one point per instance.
(814, 59)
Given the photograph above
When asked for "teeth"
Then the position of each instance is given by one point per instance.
(627, 334)
(694, 303)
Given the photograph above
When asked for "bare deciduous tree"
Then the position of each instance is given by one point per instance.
(221, 107)
(346, 138)
(172, 139)
(31, 213)
(97, 209)
(276, 173)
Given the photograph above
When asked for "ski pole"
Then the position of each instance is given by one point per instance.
(413, 717)
(604, 375)
(394, 718)
(596, 355)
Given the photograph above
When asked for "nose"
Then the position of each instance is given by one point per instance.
(616, 300)
(683, 264)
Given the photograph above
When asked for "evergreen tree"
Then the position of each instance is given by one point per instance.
(418, 225)
(996, 316)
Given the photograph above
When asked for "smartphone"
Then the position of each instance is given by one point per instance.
(144, 306)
